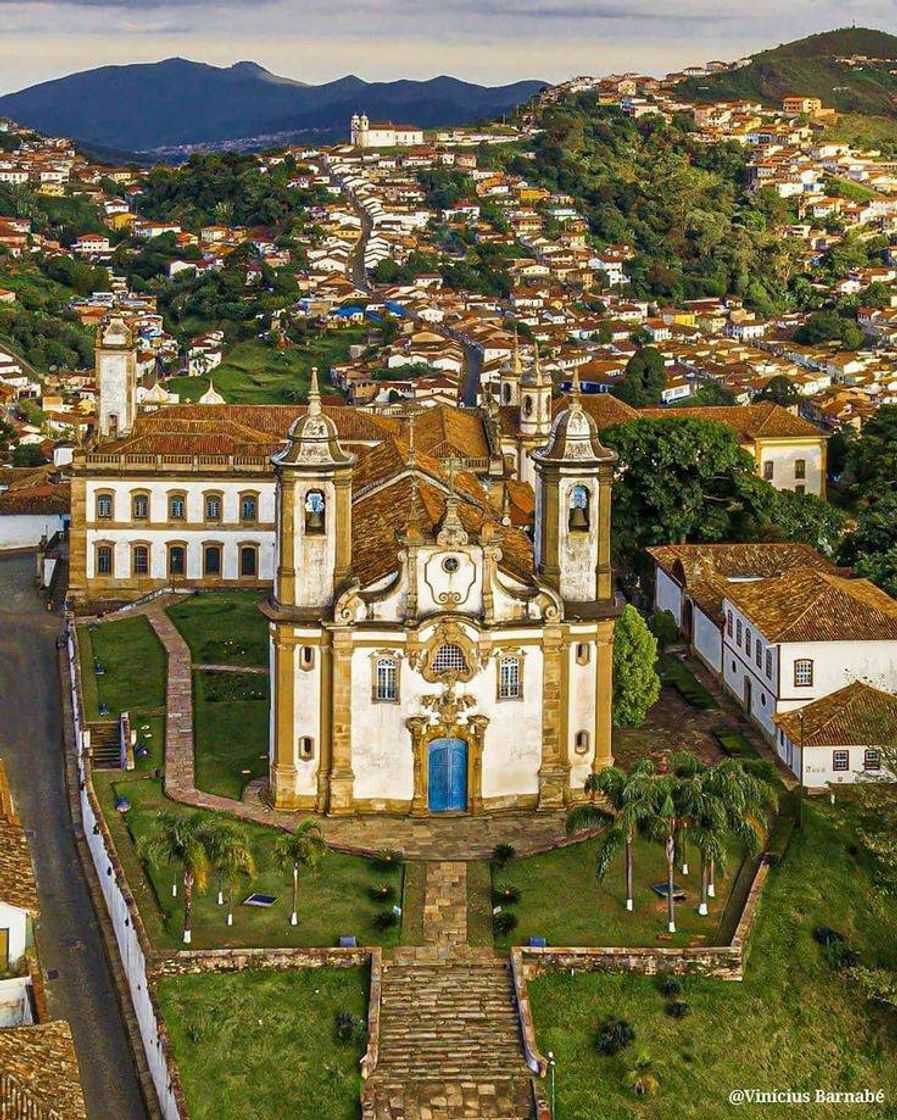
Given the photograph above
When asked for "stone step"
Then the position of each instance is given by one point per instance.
(495, 1099)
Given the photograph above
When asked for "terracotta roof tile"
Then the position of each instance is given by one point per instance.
(42, 1060)
(750, 422)
(855, 716)
(17, 885)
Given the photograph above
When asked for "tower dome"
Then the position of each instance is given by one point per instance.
(211, 395)
(313, 440)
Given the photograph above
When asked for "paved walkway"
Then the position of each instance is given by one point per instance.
(445, 904)
(69, 940)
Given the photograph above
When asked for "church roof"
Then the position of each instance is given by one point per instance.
(574, 436)
(766, 420)
(313, 439)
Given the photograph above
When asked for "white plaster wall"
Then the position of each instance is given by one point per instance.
(115, 393)
(582, 711)
(16, 921)
(819, 767)
(783, 458)
(307, 720)
(836, 664)
(24, 530)
(158, 539)
(707, 639)
(15, 1005)
(667, 595)
(439, 590)
(194, 489)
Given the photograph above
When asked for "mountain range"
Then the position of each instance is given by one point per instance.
(153, 107)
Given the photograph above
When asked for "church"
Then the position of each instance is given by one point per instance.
(427, 656)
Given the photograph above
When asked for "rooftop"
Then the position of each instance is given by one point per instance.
(857, 715)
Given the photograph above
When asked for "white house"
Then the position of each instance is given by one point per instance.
(840, 736)
(18, 892)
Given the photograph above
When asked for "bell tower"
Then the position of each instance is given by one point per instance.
(314, 511)
(116, 374)
(535, 391)
(574, 476)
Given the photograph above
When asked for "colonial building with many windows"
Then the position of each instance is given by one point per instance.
(426, 656)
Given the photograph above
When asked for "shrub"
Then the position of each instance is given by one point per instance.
(678, 1009)
(614, 1035)
(669, 986)
(383, 892)
(502, 854)
(387, 860)
(505, 896)
(504, 922)
(825, 935)
(349, 1029)
(385, 919)
(662, 625)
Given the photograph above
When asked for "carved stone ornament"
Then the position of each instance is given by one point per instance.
(422, 657)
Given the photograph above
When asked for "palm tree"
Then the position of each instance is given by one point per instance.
(305, 847)
(182, 840)
(628, 795)
(230, 854)
(663, 821)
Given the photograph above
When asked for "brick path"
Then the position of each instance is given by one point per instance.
(445, 904)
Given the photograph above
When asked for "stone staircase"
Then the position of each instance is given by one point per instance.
(450, 1044)
(105, 745)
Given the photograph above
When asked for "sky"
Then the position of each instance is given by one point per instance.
(488, 41)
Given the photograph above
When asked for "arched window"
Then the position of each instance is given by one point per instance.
(249, 507)
(211, 560)
(104, 560)
(213, 507)
(583, 653)
(177, 507)
(177, 560)
(386, 679)
(249, 560)
(581, 742)
(527, 406)
(105, 507)
(140, 559)
(307, 657)
(506, 393)
(509, 682)
(140, 507)
(579, 509)
(306, 747)
(314, 512)
(449, 659)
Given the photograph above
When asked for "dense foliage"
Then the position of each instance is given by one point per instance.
(636, 683)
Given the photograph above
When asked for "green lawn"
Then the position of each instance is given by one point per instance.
(332, 901)
(134, 665)
(479, 903)
(262, 1044)
(230, 726)
(223, 627)
(256, 373)
(793, 1023)
(676, 674)
(561, 899)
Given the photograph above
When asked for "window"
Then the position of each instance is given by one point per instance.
(583, 653)
(140, 507)
(506, 393)
(738, 632)
(177, 507)
(213, 507)
(140, 559)
(803, 673)
(386, 679)
(105, 507)
(578, 520)
(758, 654)
(249, 507)
(449, 659)
(800, 468)
(509, 678)
(872, 759)
(104, 560)
(177, 560)
(211, 560)
(307, 657)
(314, 512)
(768, 468)
(800, 488)
(306, 747)
(581, 742)
(769, 663)
(248, 560)
(840, 760)
(527, 406)
(747, 640)
(729, 623)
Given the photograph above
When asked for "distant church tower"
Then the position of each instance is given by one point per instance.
(574, 475)
(116, 374)
(313, 556)
(535, 390)
(358, 128)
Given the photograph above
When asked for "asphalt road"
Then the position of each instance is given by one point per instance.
(68, 936)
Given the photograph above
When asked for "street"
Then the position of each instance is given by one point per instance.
(68, 935)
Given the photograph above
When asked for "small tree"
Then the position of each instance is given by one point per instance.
(644, 379)
(182, 840)
(231, 857)
(636, 683)
(303, 848)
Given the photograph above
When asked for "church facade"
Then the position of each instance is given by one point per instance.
(427, 656)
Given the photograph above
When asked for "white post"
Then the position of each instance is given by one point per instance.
(188, 936)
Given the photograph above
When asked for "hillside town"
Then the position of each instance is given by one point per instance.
(456, 571)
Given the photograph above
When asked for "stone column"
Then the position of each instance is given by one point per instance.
(283, 774)
(604, 696)
(342, 777)
(605, 578)
(78, 542)
(417, 726)
(325, 748)
(554, 773)
(285, 585)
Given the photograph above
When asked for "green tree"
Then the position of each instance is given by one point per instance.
(806, 519)
(303, 848)
(628, 796)
(28, 455)
(871, 547)
(230, 856)
(781, 390)
(181, 840)
(636, 683)
(644, 379)
(871, 460)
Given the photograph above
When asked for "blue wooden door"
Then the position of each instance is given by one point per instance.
(447, 775)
